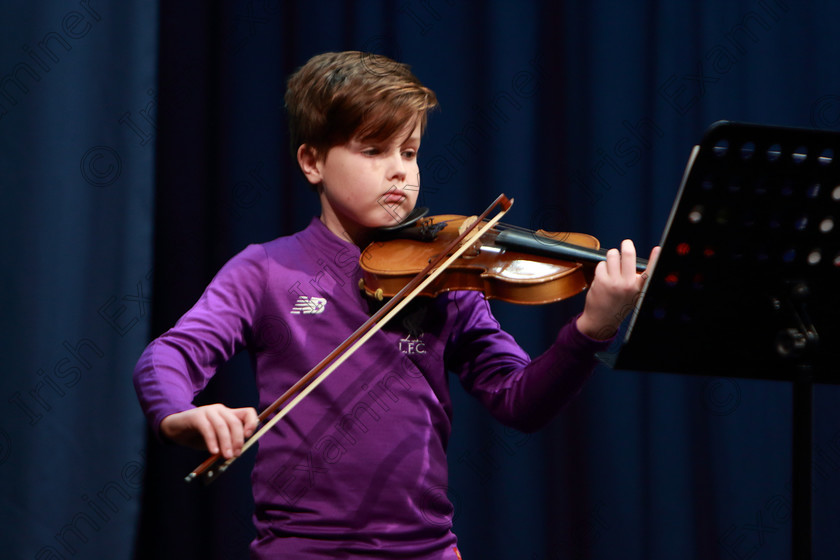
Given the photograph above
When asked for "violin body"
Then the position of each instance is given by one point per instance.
(487, 266)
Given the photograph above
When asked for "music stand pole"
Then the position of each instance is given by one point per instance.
(803, 397)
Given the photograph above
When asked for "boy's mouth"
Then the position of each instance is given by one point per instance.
(392, 197)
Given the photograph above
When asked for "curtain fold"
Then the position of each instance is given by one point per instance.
(78, 91)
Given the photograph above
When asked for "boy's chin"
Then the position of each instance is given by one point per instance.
(394, 217)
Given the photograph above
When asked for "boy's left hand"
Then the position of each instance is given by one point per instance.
(613, 292)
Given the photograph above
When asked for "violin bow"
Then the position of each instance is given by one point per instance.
(210, 469)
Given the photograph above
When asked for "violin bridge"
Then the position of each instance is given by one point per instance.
(466, 224)
(476, 246)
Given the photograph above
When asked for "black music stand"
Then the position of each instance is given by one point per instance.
(747, 282)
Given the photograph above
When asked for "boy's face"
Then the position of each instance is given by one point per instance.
(364, 185)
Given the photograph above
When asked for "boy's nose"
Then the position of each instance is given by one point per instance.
(396, 167)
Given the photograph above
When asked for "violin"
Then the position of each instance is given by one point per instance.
(506, 263)
(446, 253)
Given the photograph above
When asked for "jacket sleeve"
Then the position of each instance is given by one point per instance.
(176, 366)
(518, 391)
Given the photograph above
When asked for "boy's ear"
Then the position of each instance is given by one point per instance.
(308, 160)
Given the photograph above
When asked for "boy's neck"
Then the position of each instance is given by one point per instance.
(357, 235)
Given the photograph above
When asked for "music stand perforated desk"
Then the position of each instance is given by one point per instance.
(748, 281)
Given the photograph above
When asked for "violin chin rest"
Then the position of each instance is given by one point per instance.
(409, 220)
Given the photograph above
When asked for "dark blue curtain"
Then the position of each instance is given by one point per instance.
(584, 112)
(78, 90)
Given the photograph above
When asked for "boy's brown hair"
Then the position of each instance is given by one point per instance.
(336, 97)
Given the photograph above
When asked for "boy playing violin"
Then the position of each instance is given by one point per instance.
(351, 469)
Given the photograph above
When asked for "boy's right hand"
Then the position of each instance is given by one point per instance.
(213, 427)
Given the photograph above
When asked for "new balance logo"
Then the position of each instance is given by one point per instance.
(306, 305)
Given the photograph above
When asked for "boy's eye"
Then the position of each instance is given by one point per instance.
(410, 154)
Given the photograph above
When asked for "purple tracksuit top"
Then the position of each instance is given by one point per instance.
(358, 468)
